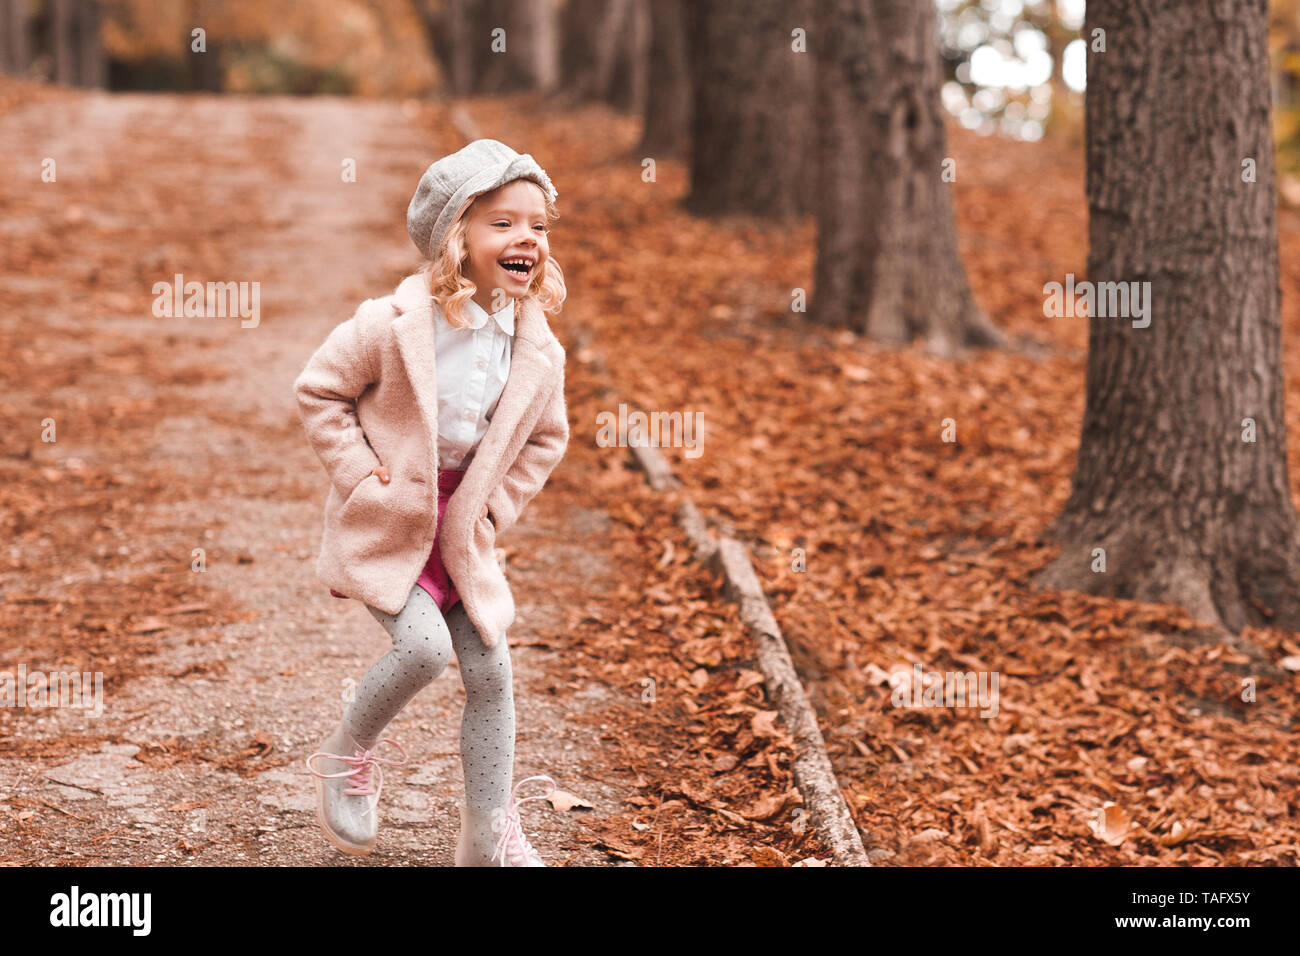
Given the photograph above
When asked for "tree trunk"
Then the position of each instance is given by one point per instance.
(516, 68)
(6, 36)
(604, 45)
(63, 41)
(887, 258)
(548, 47)
(668, 86)
(15, 47)
(447, 30)
(1188, 510)
(205, 67)
(461, 36)
(92, 67)
(628, 69)
(751, 122)
(580, 22)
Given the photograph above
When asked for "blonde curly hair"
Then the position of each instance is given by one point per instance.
(450, 288)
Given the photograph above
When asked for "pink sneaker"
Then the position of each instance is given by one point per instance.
(479, 827)
(346, 809)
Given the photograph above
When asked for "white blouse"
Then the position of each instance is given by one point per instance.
(473, 365)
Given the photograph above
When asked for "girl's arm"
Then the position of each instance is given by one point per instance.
(339, 371)
(537, 459)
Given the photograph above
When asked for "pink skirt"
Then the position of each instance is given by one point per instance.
(434, 579)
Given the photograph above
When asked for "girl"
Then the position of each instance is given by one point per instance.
(438, 413)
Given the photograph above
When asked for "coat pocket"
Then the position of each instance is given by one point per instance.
(359, 484)
(485, 536)
(484, 545)
(364, 503)
(394, 506)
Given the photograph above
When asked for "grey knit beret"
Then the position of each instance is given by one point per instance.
(449, 185)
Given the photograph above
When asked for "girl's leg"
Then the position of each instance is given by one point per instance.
(421, 651)
(345, 788)
(487, 730)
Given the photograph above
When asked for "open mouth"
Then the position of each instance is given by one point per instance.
(519, 269)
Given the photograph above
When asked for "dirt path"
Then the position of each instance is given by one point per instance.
(190, 424)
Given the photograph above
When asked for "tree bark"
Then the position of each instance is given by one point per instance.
(887, 257)
(580, 46)
(629, 68)
(460, 34)
(516, 68)
(548, 47)
(63, 41)
(604, 46)
(751, 123)
(92, 68)
(668, 88)
(16, 45)
(6, 36)
(1187, 511)
(447, 31)
(205, 67)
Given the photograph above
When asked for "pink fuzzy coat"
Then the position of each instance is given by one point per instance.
(368, 397)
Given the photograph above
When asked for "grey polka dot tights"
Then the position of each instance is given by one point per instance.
(423, 641)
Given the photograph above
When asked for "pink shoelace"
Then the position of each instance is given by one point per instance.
(364, 764)
(512, 843)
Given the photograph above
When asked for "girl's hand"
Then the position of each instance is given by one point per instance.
(382, 474)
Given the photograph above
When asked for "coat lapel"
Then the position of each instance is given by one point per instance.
(530, 369)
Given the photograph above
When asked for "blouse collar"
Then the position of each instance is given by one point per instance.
(505, 317)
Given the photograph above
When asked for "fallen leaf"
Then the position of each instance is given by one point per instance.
(621, 851)
(1111, 824)
(768, 856)
(184, 609)
(730, 815)
(856, 373)
(763, 724)
(767, 807)
(930, 833)
(564, 801)
(263, 743)
(1178, 833)
(187, 805)
(695, 794)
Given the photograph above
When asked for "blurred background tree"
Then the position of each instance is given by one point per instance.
(355, 47)
(1284, 51)
(1012, 68)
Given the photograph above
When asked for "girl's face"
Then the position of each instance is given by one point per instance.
(506, 224)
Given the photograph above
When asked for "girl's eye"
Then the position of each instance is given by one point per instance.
(543, 228)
